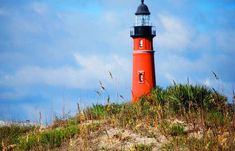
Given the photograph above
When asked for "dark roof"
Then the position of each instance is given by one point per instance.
(142, 9)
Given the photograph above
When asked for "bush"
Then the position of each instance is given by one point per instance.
(177, 129)
(214, 119)
(115, 109)
(181, 98)
(96, 112)
(184, 143)
(48, 139)
(159, 96)
(146, 107)
(143, 147)
(189, 97)
(10, 134)
(206, 114)
(128, 115)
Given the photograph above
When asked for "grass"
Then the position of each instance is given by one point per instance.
(177, 129)
(10, 134)
(142, 147)
(191, 117)
(49, 138)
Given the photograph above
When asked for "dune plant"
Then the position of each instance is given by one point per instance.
(142, 147)
(190, 117)
(48, 138)
(9, 134)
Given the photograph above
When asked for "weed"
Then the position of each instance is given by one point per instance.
(203, 111)
(164, 127)
(143, 147)
(177, 129)
(96, 112)
(47, 139)
(184, 143)
(10, 134)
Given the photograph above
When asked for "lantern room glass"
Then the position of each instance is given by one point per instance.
(142, 20)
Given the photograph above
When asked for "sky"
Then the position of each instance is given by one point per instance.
(56, 53)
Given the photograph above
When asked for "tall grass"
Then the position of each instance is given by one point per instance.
(10, 134)
(191, 117)
(48, 138)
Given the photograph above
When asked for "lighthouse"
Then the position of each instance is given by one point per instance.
(143, 72)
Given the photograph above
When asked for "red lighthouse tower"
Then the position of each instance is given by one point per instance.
(143, 74)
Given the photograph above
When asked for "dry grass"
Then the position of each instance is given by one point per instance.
(180, 117)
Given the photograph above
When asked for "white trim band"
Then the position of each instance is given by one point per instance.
(143, 51)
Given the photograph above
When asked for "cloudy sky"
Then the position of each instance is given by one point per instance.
(53, 53)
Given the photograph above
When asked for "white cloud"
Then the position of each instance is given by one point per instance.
(175, 35)
(92, 69)
(178, 68)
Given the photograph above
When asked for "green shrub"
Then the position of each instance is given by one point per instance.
(128, 115)
(10, 134)
(28, 141)
(177, 129)
(146, 107)
(143, 147)
(184, 143)
(181, 98)
(215, 118)
(49, 138)
(164, 127)
(96, 112)
(159, 95)
(115, 109)
(200, 107)
(93, 127)
(188, 97)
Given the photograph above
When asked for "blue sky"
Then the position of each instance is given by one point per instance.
(53, 53)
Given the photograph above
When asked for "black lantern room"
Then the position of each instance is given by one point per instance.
(143, 26)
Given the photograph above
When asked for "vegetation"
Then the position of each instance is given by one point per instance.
(142, 147)
(49, 138)
(10, 134)
(190, 117)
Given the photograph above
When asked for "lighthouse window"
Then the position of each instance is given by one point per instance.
(143, 20)
(141, 77)
(141, 43)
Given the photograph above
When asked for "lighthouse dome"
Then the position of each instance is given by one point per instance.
(142, 9)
